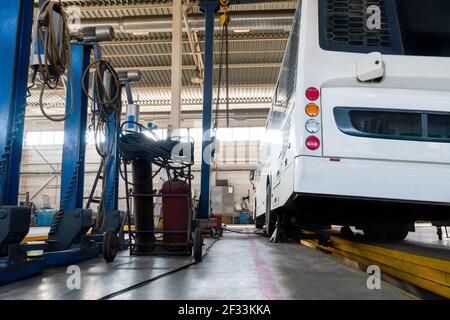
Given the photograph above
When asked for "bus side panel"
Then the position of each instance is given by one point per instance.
(261, 180)
(382, 179)
(283, 186)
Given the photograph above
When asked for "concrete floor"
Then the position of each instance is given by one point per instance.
(240, 266)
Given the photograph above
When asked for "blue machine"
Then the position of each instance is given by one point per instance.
(72, 221)
(68, 242)
(209, 8)
(15, 26)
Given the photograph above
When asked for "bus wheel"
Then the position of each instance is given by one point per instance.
(396, 235)
(381, 234)
(259, 223)
(346, 232)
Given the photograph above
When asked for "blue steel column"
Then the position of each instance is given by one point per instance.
(72, 180)
(15, 28)
(209, 8)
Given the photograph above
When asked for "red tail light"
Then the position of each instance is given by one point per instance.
(312, 94)
(312, 143)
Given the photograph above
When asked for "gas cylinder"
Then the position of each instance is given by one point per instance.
(176, 210)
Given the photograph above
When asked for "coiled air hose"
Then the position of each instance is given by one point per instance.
(57, 56)
(106, 101)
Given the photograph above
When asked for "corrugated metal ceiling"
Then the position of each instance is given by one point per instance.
(255, 57)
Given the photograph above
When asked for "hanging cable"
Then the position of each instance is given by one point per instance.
(224, 21)
(106, 109)
(105, 102)
(52, 33)
(219, 86)
(227, 76)
(146, 145)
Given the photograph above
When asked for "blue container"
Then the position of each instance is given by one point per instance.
(45, 217)
(244, 218)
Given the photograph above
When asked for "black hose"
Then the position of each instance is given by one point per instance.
(146, 282)
(56, 59)
(145, 145)
(242, 232)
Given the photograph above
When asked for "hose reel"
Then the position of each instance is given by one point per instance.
(52, 54)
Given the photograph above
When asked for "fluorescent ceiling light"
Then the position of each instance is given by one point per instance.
(241, 30)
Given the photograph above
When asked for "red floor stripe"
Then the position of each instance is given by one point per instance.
(268, 284)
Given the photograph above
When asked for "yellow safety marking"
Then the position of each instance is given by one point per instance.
(43, 237)
(429, 273)
(435, 263)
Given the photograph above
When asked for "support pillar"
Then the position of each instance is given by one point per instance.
(209, 8)
(177, 51)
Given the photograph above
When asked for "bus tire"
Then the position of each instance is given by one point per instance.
(381, 234)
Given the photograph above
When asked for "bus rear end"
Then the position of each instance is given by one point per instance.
(377, 145)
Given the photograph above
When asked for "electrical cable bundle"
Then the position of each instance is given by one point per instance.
(106, 109)
(106, 101)
(224, 60)
(145, 145)
(57, 55)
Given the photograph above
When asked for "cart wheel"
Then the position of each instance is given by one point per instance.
(110, 245)
(198, 245)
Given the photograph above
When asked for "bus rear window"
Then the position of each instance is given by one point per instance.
(439, 126)
(393, 124)
(407, 27)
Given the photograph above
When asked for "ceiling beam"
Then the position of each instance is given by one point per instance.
(250, 38)
(87, 5)
(142, 54)
(192, 67)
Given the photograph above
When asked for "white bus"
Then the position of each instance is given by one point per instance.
(359, 130)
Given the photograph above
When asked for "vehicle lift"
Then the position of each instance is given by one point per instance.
(209, 8)
(67, 242)
(16, 17)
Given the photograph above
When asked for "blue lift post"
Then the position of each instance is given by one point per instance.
(72, 179)
(209, 8)
(16, 19)
(73, 221)
(72, 217)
